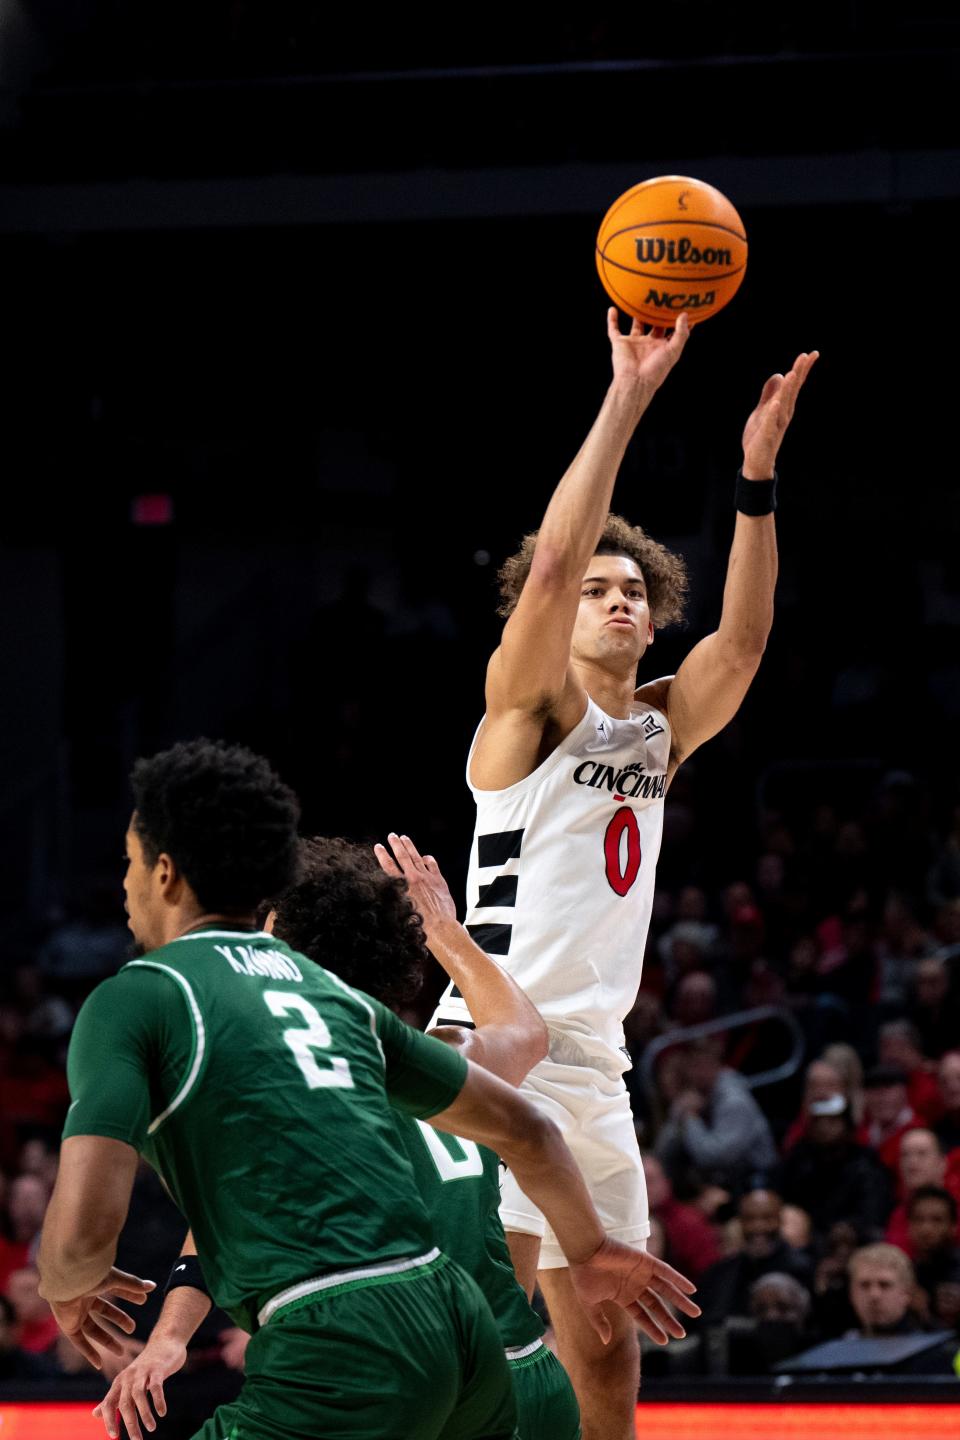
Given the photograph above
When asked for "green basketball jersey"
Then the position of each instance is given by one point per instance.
(460, 1183)
(261, 1088)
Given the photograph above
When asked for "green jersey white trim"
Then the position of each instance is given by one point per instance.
(342, 1277)
(520, 1352)
(224, 935)
(199, 1032)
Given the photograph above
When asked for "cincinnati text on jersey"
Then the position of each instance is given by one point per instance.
(632, 782)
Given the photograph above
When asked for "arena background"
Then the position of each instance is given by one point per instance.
(301, 325)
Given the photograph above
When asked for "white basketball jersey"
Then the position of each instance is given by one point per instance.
(560, 886)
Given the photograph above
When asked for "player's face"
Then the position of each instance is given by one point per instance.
(139, 890)
(613, 622)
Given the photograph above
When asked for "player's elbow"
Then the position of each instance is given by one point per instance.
(745, 650)
(530, 1143)
(553, 567)
(529, 1045)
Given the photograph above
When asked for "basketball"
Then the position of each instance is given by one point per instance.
(669, 245)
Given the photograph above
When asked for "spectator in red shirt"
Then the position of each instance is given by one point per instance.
(889, 1114)
(948, 1077)
(690, 1237)
(932, 1221)
(821, 1081)
(26, 1207)
(38, 1328)
(898, 1044)
(922, 1164)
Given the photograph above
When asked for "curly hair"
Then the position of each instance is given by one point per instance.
(665, 573)
(349, 916)
(223, 815)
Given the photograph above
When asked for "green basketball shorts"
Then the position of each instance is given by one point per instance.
(414, 1356)
(547, 1408)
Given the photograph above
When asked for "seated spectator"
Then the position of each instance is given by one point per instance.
(946, 1302)
(922, 1162)
(15, 1362)
(796, 1227)
(932, 1229)
(889, 1114)
(882, 1283)
(831, 1282)
(844, 1058)
(898, 1044)
(948, 1078)
(38, 1328)
(781, 1307)
(882, 1286)
(715, 1124)
(690, 1239)
(26, 1207)
(821, 1081)
(933, 1009)
(903, 942)
(694, 1000)
(725, 1288)
(833, 1178)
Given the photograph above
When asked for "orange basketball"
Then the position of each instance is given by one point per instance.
(669, 245)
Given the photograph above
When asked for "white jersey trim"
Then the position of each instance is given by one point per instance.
(543, 770)
(341, 1277)
(536, 777)
(199, 1032)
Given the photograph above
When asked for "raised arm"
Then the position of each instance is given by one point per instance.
(510, 1036)
(530, 670)
(709, 686)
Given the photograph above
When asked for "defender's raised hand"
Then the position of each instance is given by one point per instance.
(426, 886)
(645, 357)
(768, 424)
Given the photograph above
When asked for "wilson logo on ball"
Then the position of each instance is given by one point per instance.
(679, 252)
(669, 246)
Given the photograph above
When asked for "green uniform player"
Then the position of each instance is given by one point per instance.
(360, 1325)
(264, 1090)
(460, 1183)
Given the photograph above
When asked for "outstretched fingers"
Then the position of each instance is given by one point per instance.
(647, 1323)
(103, 1310)
(128, 1287)
(387, 862)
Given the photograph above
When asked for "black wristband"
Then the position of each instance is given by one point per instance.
(187, 1271)
(756, 497)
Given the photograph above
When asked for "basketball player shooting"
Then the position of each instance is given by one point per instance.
(569, 770)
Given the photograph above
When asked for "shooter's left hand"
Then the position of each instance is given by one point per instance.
(765, 429)
(425, 884)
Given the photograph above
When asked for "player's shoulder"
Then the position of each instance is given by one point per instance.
(655, 694)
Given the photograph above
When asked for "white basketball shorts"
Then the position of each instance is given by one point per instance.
(593, 1113)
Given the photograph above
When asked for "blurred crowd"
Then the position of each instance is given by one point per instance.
(796, 1085)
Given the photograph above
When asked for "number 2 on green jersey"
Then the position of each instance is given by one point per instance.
(303, 1042)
